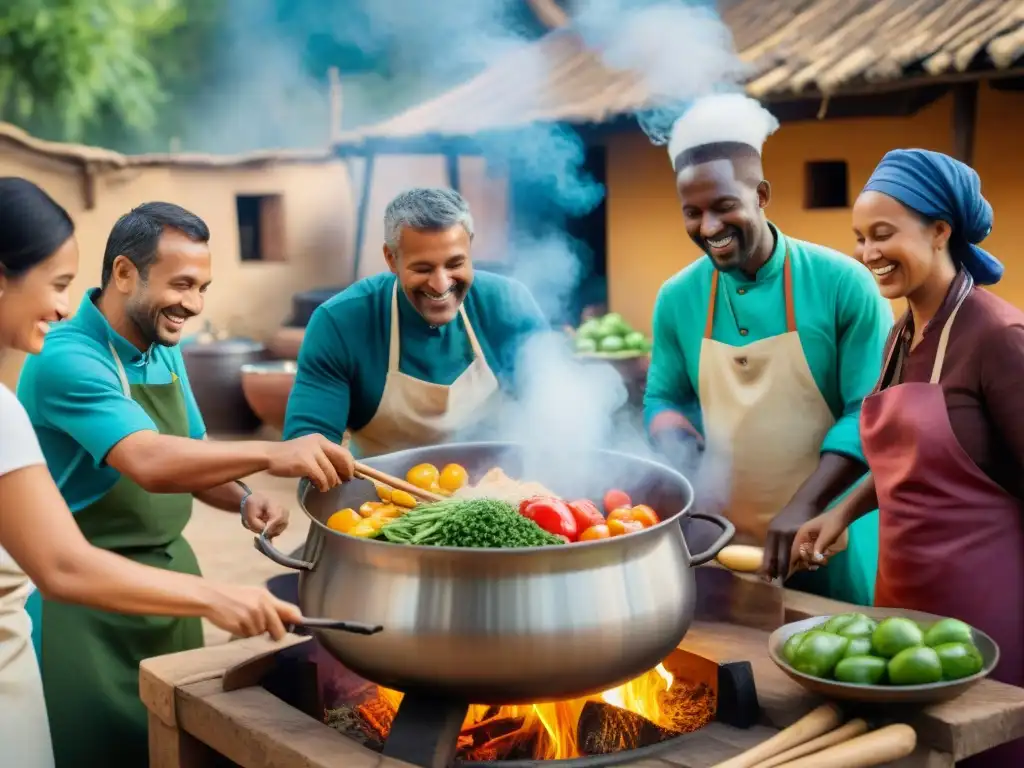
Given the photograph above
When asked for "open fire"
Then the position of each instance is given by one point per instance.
(649, 709)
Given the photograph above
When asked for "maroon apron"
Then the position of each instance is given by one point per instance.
(951, 540)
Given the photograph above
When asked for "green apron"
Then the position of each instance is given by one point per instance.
(90, 658)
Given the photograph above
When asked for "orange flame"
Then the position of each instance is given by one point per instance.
(555, 723)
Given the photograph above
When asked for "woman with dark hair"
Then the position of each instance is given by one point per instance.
(943, 433)
(38, 535)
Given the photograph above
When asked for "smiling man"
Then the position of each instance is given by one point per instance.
(122, 435)
(420, 354)
(763, 350)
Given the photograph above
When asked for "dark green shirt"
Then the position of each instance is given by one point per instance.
(343, 361)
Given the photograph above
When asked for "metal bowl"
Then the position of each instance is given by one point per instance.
(506, 626)
(881, 694)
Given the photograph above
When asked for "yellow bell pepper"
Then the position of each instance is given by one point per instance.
(343, 520)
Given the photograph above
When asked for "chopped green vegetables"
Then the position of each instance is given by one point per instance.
(477, 523)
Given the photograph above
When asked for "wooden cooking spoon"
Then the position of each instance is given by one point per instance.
(375, 475)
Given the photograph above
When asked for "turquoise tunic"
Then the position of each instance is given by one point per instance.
(343, 362)
(73, 396)
(843, 323)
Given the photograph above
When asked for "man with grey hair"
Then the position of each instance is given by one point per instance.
(417, 355)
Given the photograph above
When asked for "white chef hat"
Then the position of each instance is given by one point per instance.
(721, 118)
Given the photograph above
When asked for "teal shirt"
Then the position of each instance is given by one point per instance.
(842, 320)
(343, 361)
(74, 398)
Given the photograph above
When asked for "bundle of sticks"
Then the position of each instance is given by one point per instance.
(822, 740)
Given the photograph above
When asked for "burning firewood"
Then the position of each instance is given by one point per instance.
(687, 708)
(605, 729)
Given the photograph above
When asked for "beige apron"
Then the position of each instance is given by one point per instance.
(764, 421)
(415, 413)
(24, 726)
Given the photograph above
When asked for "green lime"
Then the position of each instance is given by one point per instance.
(858, 646)
(589, 330)
(635, 340)
(918, 665)
(818, 653)
(585, 344)
(862, 670)
(862, 626)
(959, 660)
(948, 631)
(611, 344)
(835, 623)
(895, 634)
(790, 646)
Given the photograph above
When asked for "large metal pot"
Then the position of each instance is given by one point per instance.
(504, 626)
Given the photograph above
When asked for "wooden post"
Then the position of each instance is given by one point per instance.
(965, 115)
(334, 78)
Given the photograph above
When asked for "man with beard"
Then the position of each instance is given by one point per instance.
(417, 355)
(123, 438)
(762, 352)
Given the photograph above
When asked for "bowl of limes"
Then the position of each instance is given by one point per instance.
(883, 658)
(610, 337)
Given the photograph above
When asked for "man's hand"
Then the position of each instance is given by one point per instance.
(781, 534)
(261, 513)
(326, 464)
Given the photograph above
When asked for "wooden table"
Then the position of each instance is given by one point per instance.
(194, 723)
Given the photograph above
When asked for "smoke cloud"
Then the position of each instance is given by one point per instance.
(681, 49)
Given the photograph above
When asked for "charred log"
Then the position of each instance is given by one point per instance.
(604, 729)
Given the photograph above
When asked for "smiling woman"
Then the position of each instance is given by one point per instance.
(943, 433)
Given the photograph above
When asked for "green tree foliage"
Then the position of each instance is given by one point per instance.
(70, 67)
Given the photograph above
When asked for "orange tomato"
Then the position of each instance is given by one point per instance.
(367, 508)
(343, 520)
(595, 532)
(453, 477)
(619, 527)
(423, 476)
(644, 515)
(388, 512)
(622, 513)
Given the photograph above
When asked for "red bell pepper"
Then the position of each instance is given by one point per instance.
(554, 516)
(586, 513)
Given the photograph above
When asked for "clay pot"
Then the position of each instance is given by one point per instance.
(266, 386)
(285, 344)
(214, 368)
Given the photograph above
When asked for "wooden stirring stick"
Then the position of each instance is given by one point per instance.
(881, 747)
(375, 475)
(810, 726)
(843, 733)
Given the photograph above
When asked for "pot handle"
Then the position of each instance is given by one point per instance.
(355, 627)
(728, 531)
(268, 550)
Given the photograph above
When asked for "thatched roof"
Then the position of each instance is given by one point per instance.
(105, 159)
(792, 48)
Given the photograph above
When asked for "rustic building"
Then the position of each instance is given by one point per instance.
(280, 221)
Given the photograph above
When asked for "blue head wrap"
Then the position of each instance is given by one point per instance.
(939, 187)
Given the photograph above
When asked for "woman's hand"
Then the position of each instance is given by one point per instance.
(249, 611)
(815, 538)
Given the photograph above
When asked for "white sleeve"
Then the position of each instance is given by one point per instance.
(19, 446)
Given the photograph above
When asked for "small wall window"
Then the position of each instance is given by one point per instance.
(826, 184)
(260, 227)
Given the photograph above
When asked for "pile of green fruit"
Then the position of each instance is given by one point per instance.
(853, 648)
(611, 335)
